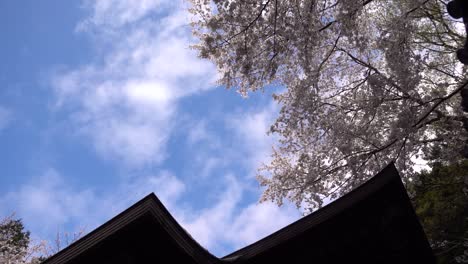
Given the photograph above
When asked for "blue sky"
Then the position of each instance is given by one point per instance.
(103, 102)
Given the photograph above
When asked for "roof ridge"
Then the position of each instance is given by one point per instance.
(359, 193)
(149, 204)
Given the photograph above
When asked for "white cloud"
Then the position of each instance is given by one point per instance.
(66, 207)
(209, 225)
(203, 144)
(167, 186)
(116, 13)
(259, 220)
(126, 103)
(225, 224)
(48, 196)
(131, 138)
(251, 130)
(5, 117)
(198, 132)
(153, 94)
(229, 224)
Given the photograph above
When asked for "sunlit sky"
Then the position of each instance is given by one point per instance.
(102, 103)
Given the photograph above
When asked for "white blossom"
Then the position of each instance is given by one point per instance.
(14, 254)
(368, 82)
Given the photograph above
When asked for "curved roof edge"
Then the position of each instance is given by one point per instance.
(371, 186)
(149, 204)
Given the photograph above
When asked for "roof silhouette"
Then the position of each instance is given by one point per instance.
(374, 223)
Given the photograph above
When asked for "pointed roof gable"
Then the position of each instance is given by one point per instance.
(145, 214)
(374, 223)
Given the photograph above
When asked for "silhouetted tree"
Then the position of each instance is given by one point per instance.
(441, 202)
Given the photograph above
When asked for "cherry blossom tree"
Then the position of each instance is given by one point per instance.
(365, 82)
(16, 246)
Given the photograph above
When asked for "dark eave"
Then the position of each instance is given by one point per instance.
(385, 187)
(387, 175)
(149, 204)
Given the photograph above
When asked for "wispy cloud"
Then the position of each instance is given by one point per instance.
(117, 13)
(231, 224)
(259, 220)
(48, 204)
(126, 103)
(251, 129)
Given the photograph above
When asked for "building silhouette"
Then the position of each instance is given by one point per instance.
(374, 223)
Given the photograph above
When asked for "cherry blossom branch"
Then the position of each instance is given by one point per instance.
(454, 92)
(334, 21)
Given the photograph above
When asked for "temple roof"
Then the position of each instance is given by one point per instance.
(146, 214)
(374, 223)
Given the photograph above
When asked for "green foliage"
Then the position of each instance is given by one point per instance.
(441, 202)
(13, 237)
